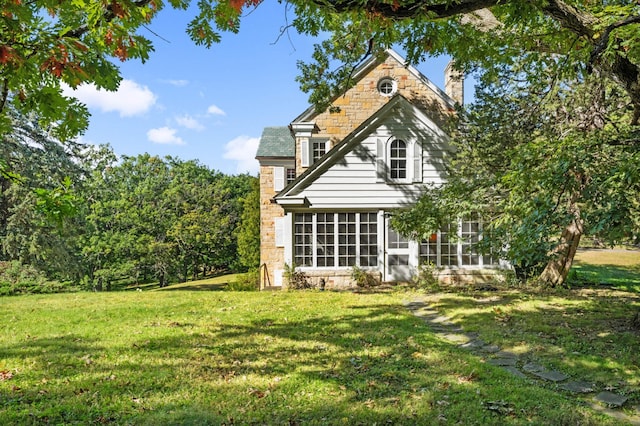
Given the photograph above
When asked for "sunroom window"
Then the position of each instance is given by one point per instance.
(335, 239)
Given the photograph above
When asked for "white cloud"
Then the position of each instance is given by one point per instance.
(243, 150)
(177, 83)
(214, 110)
(130, 99)
(164, 135)
(189, 122)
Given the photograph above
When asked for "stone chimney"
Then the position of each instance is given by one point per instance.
(454, 83)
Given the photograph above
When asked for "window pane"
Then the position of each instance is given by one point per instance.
(398, 159)
(324, 239)
(303, 238)
(396, 241)
(469, 238)
(346, 239)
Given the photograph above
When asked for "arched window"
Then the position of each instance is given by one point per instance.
(398, 159)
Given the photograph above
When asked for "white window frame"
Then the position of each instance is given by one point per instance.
(413, 160)
(387, 86)
(336, 241)
(397, 159)
(459, 244)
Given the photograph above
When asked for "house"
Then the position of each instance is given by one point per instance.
(329, 181)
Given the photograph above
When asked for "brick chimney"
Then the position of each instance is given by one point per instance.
(454, 83)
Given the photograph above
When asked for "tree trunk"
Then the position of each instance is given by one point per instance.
(556, 271)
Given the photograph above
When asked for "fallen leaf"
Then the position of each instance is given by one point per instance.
(5, 375)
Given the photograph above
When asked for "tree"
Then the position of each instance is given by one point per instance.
(48, 43)
(248, 232)
(38, 197)
(544, 163)
(75, 42)
(577, 36)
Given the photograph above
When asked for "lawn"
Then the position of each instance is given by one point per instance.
(306, 357)
(617, 268)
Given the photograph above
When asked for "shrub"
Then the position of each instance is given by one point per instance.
(296, 279)
(427, 277)
(16, 278)
(249, 281)
(363, 279)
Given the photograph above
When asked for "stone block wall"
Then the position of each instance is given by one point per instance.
(270, 255)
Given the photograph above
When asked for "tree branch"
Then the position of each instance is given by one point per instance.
(603, 41)
(410, 9)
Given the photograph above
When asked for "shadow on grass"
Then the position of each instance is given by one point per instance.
(619, 277)
(587, 332)
(371, 363)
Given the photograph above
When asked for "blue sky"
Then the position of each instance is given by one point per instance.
(208, 104)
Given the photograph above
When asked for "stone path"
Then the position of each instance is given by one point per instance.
(601, 400)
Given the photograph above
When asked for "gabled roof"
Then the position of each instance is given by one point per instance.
(372, 62)
(358, 135)
(276, 142)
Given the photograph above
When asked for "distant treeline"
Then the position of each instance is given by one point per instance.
(80, 215)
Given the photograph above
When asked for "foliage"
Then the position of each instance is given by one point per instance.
(81, 214)
(426, 277)
(167, 357)
(296, 279)
(16, 278)
(149, 217)
(536, 159)
(77, 41)
(249, 281)
(248, 232)
(363, 278)
(38, 198)
(48, 45)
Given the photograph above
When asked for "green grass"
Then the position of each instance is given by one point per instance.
(196, 357)
(618, 268)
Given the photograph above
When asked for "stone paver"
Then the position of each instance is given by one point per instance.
(515, 372)
(503, 362)
(474, 344)
(605, 401)
(505, 354)
(611, 399)
(532, 367)
(456, 337)
(552, 376)
(578, 386)
(490, 349)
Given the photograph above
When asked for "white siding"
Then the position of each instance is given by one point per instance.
(353, 181)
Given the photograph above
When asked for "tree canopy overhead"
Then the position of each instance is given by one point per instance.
(44, 43)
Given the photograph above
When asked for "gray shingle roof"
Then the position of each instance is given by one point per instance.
(276, 142)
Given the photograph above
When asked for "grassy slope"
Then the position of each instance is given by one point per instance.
(187, 357)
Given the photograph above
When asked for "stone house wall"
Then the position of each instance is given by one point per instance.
(270, 255)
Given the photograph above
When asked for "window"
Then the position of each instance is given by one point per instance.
(325, 239)
(455, 245)
(336, 239)
(398, 159)
(346, 239)
(291, 175)
(319, 148)
(397, 241)
(448, 248)
(303, 239)
(470, 235)
(387, 86)
(368, 239)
